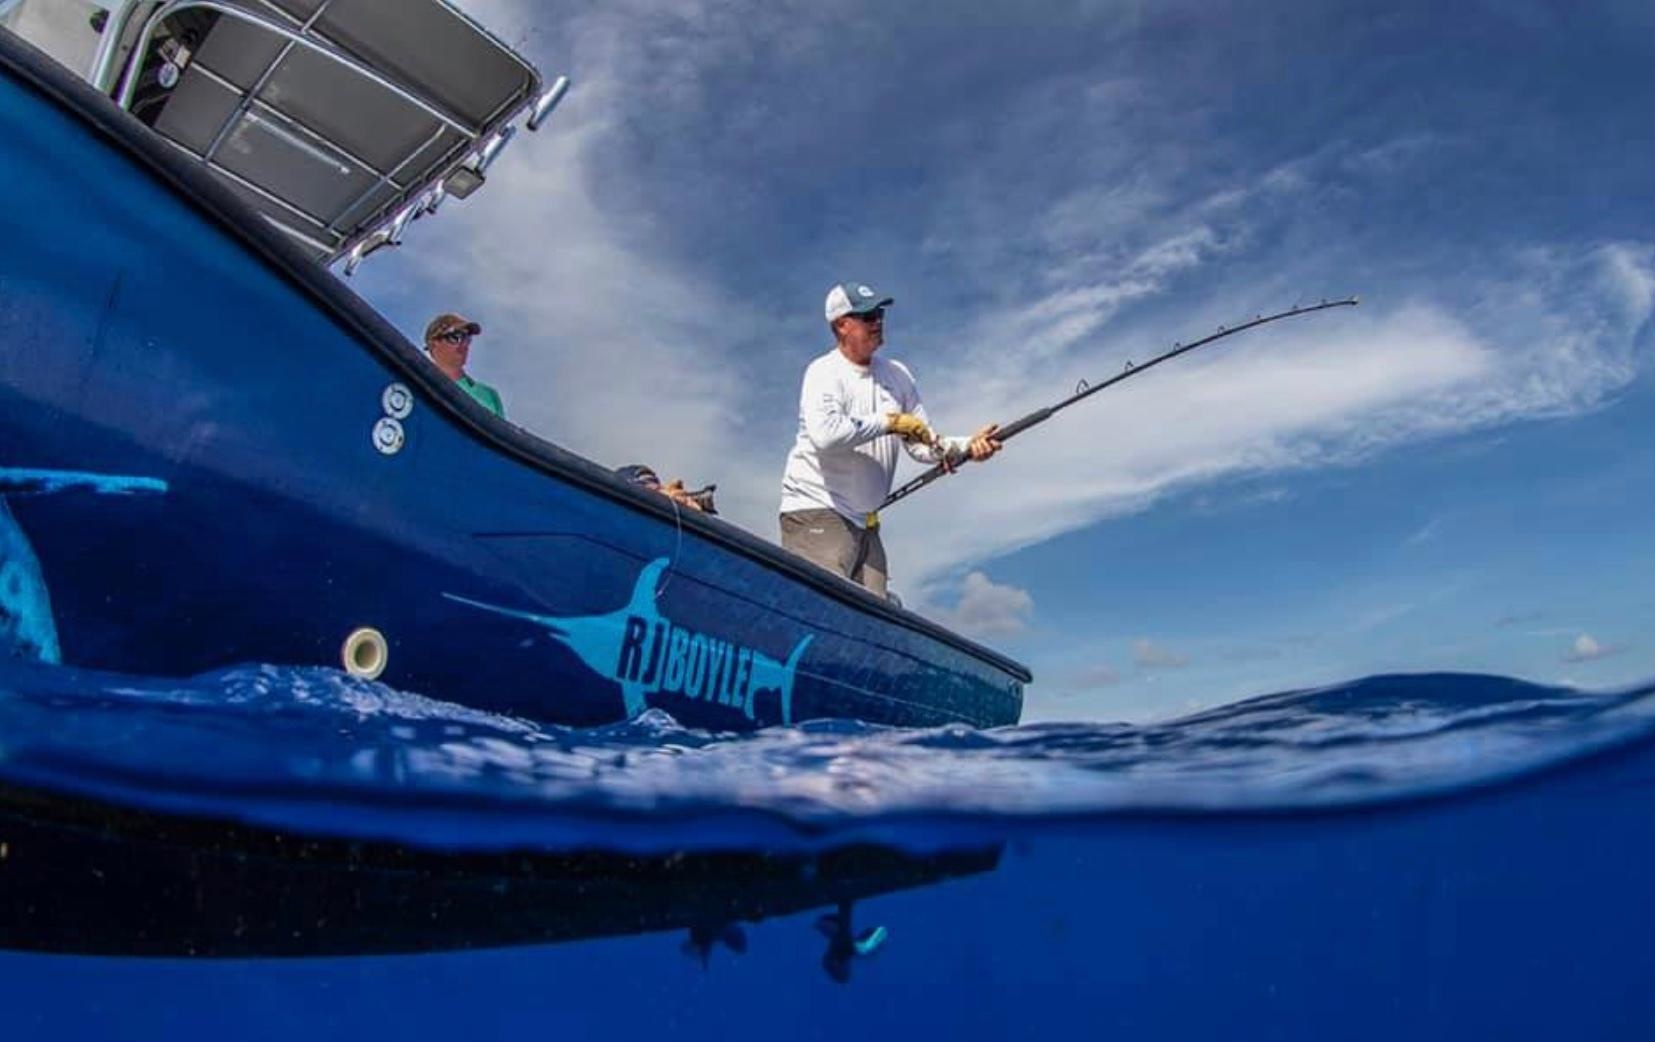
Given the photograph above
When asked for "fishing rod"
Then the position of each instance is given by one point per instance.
(1086, 390)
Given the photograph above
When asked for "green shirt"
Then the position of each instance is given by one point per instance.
(486, 396)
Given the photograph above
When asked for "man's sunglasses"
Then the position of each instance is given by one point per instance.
(455, 336)
(870, 317)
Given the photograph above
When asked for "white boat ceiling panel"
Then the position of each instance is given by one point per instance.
(198, 106)
(326, 140)
(330, 99)
(421, 45)
(239, 52)
(385, 196)
(465, 71)
(305, 171)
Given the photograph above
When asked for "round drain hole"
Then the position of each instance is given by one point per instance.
(365, 653)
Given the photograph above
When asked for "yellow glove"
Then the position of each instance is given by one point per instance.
(909, 427)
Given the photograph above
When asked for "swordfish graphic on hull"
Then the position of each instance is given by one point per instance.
(647, 654)
(27, 629)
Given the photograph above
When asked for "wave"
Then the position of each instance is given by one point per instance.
(315, 751)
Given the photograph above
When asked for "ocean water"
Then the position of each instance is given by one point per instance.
(267, 853)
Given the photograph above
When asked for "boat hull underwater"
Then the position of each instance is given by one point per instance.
(158, 885)
(212, 452)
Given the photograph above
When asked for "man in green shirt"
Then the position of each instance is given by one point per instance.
(448, 342)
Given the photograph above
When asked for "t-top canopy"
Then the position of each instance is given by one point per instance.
(338, 120)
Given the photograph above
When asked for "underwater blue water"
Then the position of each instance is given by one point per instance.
(1434, 856)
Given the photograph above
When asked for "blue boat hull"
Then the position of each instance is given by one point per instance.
(156, 885)
(192, 419)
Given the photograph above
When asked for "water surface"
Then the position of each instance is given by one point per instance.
(266, 852)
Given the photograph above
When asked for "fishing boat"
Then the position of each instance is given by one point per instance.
(157, 885)
(213, 452)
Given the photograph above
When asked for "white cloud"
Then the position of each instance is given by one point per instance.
(1078, 240)
(1391, 157)
(1150, 655)
(1423, 534)
(1540, 340)
(986, 608)
(1629, 272)
(1311, 394)
(1094, 677)
(595, 338)
(1587, 648)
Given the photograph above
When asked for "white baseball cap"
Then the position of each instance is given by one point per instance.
(853, 298)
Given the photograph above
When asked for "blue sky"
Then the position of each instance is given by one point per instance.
(1456, 475)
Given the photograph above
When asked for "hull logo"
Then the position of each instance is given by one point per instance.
(648, 654)
(27, 628)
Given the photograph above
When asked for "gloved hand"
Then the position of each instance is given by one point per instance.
(675, 489)
(980, 446)
(909, 427)
(985, 443)
(703, 498)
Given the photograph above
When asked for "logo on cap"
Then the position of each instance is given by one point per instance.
(864, 291)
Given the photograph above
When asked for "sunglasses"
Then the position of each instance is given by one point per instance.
(870, 317)
(455, 336)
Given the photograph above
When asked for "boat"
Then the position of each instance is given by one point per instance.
(213, 452)
(153, 885)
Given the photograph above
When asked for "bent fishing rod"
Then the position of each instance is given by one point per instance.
(1039, 416)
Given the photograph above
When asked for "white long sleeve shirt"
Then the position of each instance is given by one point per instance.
(844, 457)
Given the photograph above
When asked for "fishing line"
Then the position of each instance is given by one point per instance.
(677, 547)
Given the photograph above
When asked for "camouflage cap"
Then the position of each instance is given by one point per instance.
(638, 474)
(448, 322)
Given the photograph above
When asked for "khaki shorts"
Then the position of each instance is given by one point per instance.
(824, 537)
